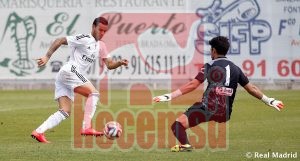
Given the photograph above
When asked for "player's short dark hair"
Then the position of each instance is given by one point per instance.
(221, 44)
(100, 20)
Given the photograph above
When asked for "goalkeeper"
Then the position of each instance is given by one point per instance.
(223, 77)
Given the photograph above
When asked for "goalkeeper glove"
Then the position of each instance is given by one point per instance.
(162, 98)
(278, 105)
(167, 97)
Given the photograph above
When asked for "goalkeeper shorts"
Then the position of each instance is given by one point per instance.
(199, 112)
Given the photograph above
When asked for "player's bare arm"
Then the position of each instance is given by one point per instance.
(255, 91)
(111, 64)
(186, 88)
(54, 46)
(189, 87)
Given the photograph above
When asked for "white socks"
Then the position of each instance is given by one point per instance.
(60, 115)
(52, 121)
(89, 110)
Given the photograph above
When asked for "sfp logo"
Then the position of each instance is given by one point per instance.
(237, 21)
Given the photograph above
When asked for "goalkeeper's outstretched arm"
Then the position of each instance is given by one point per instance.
(187, 88)
(256, 92)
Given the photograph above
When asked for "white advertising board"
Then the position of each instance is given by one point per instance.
(162, 39)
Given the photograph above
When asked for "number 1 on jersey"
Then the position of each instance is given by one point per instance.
(227, 75)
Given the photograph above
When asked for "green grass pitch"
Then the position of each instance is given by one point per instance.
(254, 127)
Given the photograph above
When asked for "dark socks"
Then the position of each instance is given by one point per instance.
(179, 132)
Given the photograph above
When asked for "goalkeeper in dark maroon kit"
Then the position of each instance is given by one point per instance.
(223, 77)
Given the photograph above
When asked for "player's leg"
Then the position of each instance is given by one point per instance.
(179, 127)
(179, 130)
(192, 117)
(53, 120)
(89, 91)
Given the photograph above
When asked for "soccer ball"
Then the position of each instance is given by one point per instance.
(112, 130)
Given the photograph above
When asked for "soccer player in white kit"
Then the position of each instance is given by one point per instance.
(85, 48)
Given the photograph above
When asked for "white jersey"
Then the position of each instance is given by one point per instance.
(84, 51)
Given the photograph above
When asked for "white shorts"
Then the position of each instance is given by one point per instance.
(67, 79)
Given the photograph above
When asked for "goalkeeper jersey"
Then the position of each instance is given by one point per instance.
(223, 77)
